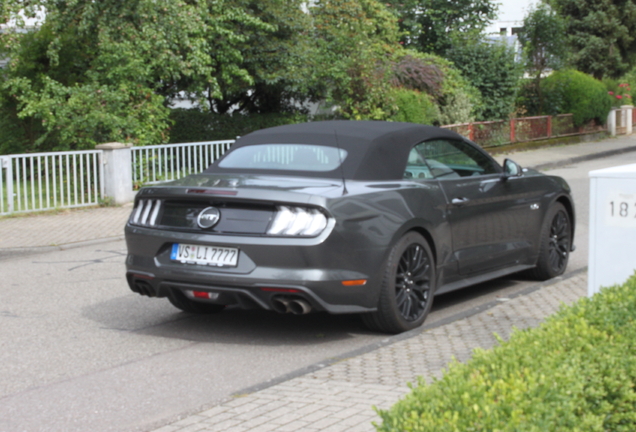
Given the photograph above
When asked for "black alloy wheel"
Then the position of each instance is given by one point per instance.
(412, 282)
(556, 242)
(559, 242)
(407, 289)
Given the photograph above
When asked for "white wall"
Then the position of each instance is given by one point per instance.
(511, 15)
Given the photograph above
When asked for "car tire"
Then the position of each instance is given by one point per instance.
(180, 301)
(407, 289)
(556, 241)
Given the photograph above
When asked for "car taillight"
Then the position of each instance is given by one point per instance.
(146, 212)
(297, 221)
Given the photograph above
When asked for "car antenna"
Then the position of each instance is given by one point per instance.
(344, 183)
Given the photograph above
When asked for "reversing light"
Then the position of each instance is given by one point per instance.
(297, 221)
(204, 295)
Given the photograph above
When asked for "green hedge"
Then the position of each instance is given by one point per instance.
(192, 125)
(571, 91)
(576, 372)
(413, 106)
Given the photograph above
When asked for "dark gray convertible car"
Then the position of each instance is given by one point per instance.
(373, 218)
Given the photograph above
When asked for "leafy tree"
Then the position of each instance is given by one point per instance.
(277, 60)
(490, 67)
(103, 71)
(601, 35)
(543, 42)
(354, 41)
(431, 25)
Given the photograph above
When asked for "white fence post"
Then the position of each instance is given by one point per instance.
(611, 122)
(5, 163)
(627, 113)
(117, 172)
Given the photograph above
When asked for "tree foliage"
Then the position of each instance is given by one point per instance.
(430, 26)
(101, 71)
(491, 68)
(543, 42)
(601, 35)
(354, 41)
(278, 60)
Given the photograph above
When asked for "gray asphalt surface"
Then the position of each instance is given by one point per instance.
(79, 351)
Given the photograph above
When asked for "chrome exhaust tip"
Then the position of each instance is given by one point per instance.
(281, 305)
(299, 307)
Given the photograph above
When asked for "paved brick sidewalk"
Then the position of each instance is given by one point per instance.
(340, 397)
(64, 228)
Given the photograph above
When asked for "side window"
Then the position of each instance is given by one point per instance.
(453, 159)
(416, 167)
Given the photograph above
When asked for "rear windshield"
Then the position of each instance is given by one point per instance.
(285, 157)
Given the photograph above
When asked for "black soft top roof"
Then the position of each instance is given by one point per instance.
(376, 150)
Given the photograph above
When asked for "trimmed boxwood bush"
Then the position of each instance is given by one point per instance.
(571, 91)
(575, 372)
(414, 107)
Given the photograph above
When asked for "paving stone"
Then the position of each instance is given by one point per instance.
(194, 427)
(190, 420)
(340, 397)
(63, 228)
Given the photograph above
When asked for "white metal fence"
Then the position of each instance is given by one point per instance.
(159, 163)
(44, 181)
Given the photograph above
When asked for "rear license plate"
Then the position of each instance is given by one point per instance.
(204, 255)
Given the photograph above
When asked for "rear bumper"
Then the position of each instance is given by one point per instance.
(268, 269)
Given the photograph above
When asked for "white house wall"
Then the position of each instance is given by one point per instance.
(511, 15)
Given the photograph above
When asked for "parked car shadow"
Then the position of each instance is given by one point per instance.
(132, 313)
(157, 317)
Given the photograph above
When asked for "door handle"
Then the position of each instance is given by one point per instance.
(459, 201)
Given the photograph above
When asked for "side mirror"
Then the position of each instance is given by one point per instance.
(511, 169)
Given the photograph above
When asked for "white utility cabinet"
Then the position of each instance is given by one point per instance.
(612, 255)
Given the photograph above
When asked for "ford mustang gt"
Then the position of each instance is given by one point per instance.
(372, 218)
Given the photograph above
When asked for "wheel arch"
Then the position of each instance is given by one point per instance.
(427, 236)
(418, 226)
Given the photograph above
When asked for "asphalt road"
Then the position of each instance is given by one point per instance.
(79, 351)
